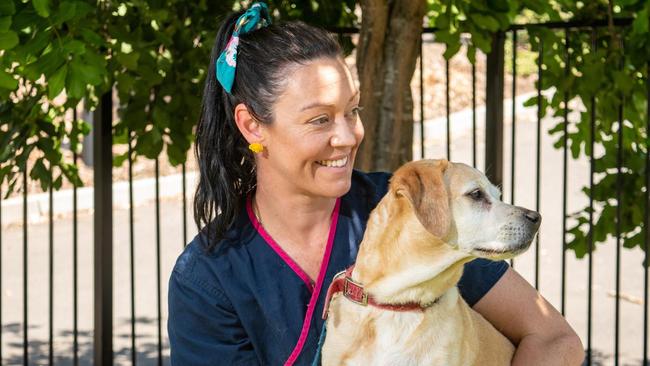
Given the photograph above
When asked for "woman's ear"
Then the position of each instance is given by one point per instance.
(249, 127)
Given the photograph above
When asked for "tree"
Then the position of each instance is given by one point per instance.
(388, 46)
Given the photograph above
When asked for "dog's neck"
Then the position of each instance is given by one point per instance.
(407, 265)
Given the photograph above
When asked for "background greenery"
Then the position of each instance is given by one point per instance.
(56, 53)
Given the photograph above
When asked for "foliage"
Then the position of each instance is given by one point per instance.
(45, 48)
(612, 72)
(607, 74)
(56, 53)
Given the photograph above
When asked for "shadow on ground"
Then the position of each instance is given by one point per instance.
(38, 349)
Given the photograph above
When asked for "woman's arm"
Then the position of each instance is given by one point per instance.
(540, 333)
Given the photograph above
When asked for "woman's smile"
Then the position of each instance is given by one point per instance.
(334, 163)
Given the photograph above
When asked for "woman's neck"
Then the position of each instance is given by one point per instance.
(298, 216)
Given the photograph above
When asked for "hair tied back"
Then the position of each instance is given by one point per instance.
(256, 17)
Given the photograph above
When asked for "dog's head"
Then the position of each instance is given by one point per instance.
(458, 204)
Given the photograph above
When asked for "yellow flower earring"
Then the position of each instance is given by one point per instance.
(256, 147)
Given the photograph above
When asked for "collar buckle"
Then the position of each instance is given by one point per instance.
(354, 292)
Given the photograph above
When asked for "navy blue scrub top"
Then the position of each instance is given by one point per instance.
(247, 303)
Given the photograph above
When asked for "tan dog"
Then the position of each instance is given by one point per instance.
(436, 217)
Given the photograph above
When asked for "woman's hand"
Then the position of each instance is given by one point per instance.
(540, 333)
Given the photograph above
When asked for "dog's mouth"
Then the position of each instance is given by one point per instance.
(502, 253)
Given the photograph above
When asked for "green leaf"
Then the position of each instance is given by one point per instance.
(7, 7)
(56, 82)
(40, 173)
(74, 46)
(176, 154)
(442, 22)
(129, 60)
(7, 81)
(91, 37)
(640, 24)
(124, 84)
(118, 160)
(46, 64)
(452, 49)
(8, 40)
(42, 7)
(471, 53)
(75, 85)
(150, 144)
(72, 173)
(58, 182)
(92, 74)
(485, 21)
(501, 6)
(32, 48)
(66, 11)
(5, 23)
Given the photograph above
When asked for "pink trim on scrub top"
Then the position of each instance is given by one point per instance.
(269, 240)
(319, 283)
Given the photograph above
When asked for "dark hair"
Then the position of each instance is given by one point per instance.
(226, 166)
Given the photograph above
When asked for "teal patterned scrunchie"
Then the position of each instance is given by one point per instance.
(254, 18)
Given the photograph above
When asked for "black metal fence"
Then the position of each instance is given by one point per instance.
(102, 351)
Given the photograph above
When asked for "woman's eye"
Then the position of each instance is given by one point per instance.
(476, 194)
(354, 112)
(320, 120)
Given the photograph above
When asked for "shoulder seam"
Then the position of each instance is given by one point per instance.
(202, 284)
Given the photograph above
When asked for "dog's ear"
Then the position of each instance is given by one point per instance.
(424, 187)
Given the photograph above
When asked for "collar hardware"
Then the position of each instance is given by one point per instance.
(354, 291)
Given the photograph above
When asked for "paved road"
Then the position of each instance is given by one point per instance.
(550, 257)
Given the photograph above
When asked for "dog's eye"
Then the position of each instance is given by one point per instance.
(476, 194)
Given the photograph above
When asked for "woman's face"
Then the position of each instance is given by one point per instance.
(311, 145)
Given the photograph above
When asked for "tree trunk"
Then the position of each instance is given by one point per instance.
(388, 48)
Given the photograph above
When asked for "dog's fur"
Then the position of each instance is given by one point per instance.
(416, 242)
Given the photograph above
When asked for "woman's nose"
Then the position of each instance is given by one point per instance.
(344, 134)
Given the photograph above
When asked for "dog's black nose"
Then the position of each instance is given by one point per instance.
(532, 216)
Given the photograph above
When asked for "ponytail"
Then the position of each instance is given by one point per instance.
(226, 166)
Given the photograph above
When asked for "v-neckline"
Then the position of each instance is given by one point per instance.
(286, 258)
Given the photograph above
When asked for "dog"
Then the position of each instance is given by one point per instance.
(399, 304)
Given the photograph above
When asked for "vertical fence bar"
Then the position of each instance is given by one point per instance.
(75, 268)
(514, 124)
(619, 189)
(590, 238)
(51, 268)
(157, 166)
(494, 111)
(184, 207)
(448, 109)
(422, 155)
(514, 117)
(540, 112)
(25, 293)
(567, 66)
(131, 249)
(647, 218)
(474, 114)
(1, 328)
(103, 235)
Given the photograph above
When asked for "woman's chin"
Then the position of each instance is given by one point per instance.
(333, 189)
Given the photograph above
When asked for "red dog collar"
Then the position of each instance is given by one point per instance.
(354, 292)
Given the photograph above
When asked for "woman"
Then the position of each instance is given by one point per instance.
(281, 210)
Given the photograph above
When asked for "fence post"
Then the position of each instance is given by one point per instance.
(494, 111)
(103, 235)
